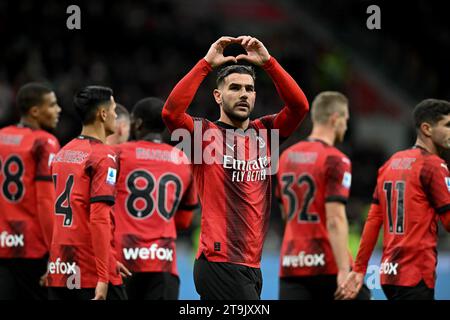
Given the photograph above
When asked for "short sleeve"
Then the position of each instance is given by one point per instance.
(435, 180)
(103, 178)
(338, 178)
(45, 150)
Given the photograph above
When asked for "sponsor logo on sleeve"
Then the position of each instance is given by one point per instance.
(447, 182)
(347, 180)
(112, 176)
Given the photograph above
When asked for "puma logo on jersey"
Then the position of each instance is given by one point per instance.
(59, 267)
(11, 240)
(304, 260)
(154, 252)
(112, 157)
(388, 267)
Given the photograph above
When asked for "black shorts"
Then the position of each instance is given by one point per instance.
(61, 293)
(321, 287)
(152, 286)
(226, 281)
(19, 279)
(418, 292)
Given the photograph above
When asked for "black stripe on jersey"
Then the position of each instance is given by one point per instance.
(108, 199)
(43, 178)
(189, 206)
(340, 199)
(443, 209)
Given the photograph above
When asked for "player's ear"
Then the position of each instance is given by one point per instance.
(102, 113)
(138, 124)
(217, 96)
(34, 111)
(426, 129)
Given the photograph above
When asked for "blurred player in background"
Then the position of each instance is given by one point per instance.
(122, 131)
(82, 263)
(235, 201)
(412, 193)
(314, 180)
(27, 194)
(155, 196)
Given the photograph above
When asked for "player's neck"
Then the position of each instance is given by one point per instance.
(235, 123)
(94, 131)
(427, 145)
(151, 136)
(29, 122)
(113, 139)
(323, 133)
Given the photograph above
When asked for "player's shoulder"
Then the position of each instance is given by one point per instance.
(45, 137)
(263, 122)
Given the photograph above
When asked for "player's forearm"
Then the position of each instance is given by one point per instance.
(338, 232)
(174, 111)
(368, 239)
(183, 219)
(45, 207)
(100, 228)
(296, 102)
(445, 220)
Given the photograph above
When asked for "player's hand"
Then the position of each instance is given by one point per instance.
(101, 291)
(43, 280)
(215, 55)
(124, 272)
(256, 51)
(351, 286)
(341, 277)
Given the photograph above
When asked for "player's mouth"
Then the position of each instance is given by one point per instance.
(242, 105)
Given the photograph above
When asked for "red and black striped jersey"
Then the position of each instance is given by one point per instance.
(413, 188)
(155, 186)
(310, 174)
(25, 156)
(84, 172)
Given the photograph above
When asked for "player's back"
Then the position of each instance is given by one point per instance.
(412, 187)
(155, 181)
(310, 173)
(25, 155)
(84, 172)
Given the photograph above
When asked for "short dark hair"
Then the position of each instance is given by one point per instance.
(122, 112)
(226, 71)
(88, 99)
(431, 111)
(31, 95)
(149, 110)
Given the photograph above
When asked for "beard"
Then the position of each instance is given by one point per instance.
(234, 115)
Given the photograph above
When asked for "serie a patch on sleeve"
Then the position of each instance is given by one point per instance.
(347, 180)
(447, 182)
(112, 176)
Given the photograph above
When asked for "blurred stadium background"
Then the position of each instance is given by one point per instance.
(143, 48)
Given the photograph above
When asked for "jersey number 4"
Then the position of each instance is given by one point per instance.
(64, 197)
(289, 182)
(144, 193)
(400, 205)
(12, 187)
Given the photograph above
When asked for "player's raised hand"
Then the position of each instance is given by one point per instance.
(101, 291)
(215, 55)
(256, 51)
(351, 286)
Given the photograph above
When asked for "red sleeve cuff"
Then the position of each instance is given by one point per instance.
(270, 63)
(207, 67)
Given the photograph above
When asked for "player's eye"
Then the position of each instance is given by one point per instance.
(250, 88)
